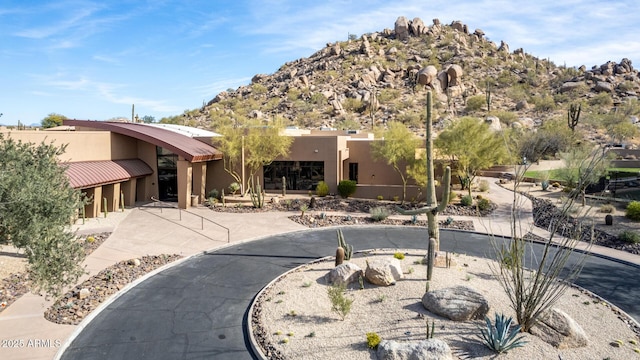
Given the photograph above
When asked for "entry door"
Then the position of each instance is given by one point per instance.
(167, 175)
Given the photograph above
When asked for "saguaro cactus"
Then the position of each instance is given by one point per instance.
(432, 208)
(573, 116)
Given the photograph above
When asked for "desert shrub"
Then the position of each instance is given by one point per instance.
(484, 204)
(353, 105)
(475, 103)
(602, 99)
(234, 187)
(633, 210)
(347, 188)
(378, 213)
(544, 103)
(506, 117)
(380, 197)
(556, 184)
(607, 209)
(322, 189)
(213, 194)
(373, 340)
(399, 256)
(629, 237)
(483, 185)
(466, 200)
(339, 303)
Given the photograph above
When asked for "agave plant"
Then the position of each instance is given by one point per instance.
(500, 337)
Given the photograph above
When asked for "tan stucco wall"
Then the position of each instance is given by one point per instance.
(148, 186)
(82, 145)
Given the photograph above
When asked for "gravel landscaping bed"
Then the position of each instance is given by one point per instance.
(330, 203)
(320, 221)
(87, 296)
(17, 284)
(545, 212)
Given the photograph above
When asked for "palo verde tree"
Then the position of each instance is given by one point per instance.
(473, 146)
(36, 205)
(258, 145)
(398, 148)
(52, 120)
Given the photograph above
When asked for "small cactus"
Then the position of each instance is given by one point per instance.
(284, 186)
(339, 256)
(608, 220)
(348, 249)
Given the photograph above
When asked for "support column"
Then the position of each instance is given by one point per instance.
(185, 178)
(200, 181)
(129, 191)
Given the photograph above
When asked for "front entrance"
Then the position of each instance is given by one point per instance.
(167, 174)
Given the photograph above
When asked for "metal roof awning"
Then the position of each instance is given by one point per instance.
(87, 174)
(189, 148)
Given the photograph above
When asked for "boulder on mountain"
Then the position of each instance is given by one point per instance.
(417, 27)
(402, 28)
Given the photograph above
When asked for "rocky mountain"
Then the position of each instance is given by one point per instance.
(373, 80)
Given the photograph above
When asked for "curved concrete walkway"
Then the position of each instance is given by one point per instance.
(149, 230)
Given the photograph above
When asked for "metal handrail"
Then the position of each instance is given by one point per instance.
(202, 218)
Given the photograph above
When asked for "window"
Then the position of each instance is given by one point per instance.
(299, 175)
(353, 172)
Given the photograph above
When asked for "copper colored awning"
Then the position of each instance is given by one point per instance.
(189, 148)
(87, 174)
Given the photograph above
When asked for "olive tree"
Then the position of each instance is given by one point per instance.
(36, 205)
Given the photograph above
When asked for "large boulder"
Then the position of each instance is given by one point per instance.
(426, 75)
(557, 328)
(344, 274)
(417, 27)
(402, 28)
(493, 122)
(460, 303)
(383, 272)
(431, 349)
(455, 75)
(603, 86)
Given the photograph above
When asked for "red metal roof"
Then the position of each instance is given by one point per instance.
(190, 149)
(86, 174)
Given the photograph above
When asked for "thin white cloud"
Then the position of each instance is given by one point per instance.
(210, 90)
(75, 20)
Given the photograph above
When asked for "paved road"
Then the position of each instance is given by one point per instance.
(196, 310)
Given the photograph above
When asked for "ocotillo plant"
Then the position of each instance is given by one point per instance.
(573, 116)
(432, 208)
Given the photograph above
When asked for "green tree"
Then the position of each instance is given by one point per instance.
(397, 148)
(36, 205)
(473, 146)
(147, 119)
(552, 138)
(52, 120)
(260, 145)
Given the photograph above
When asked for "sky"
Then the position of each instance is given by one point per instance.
(94, 59)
